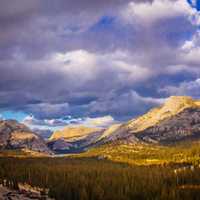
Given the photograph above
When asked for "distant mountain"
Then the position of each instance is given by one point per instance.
(177, 119)
(74, 139)
(184, 125)
(44, 133)
(14, 135)
(73, 133)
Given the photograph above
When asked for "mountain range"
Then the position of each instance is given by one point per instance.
(178, 119)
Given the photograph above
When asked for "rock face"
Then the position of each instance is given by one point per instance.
(73, 133)
(184, 125)
(14, 135)
(172, 106)
(73, 139)
(178, 119)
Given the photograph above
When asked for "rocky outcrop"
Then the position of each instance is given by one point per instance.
(184, 125)
(178, 119)
(24, 193)
(14, 135)
(172, 107)
(72, 133)
(74, 139)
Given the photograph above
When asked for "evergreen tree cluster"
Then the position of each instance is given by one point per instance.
(90, 179)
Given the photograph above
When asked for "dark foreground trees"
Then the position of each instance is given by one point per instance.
(90, 179)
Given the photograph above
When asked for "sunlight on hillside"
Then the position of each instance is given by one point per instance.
(185, 152)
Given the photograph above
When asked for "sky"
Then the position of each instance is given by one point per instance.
(95, 62)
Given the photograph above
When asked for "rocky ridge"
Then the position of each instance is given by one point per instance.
(14, 135)
(177, 119)
(73, 139)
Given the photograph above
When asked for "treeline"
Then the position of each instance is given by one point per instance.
(90, 179)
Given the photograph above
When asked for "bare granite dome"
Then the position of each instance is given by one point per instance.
(15, 135)
(177, 119)
(172, 106)
(73, 132)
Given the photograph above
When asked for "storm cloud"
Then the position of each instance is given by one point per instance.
(89, 59)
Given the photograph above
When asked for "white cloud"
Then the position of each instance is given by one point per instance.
(101, 122)
(149, 12)
(193, 43)
(190, 88)
(43, 124)
(84, 66)
(194, 2)
(190, 50)
(79, 63)
(56, 124)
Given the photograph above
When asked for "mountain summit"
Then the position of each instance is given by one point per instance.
(172, 106)
(177, 119)
(73, 133)
(73, 139)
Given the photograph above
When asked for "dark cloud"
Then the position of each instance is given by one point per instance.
(94, 58)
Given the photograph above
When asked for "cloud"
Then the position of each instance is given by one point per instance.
(94, 58)
(150, 12)
(125, 105)
(1, 117)
(193, 3)
(64, 79)
(46, 126)
(33, 122)
(190, 88)
(101, 122)
(191, 50)
(119, 63)
(48, 110)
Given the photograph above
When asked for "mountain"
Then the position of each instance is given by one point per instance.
(73, 133)
(44, 133)
(177, 119)
(182, 126)
(73, 139)
(172, 106)
(109, 131)
(14, 135)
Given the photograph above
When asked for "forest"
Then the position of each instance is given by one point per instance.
(93, 179)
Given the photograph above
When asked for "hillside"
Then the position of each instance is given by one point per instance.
(172, 107)
(73, 139)
(168, 134)
(16, 136)
(177, 119)
(73, 133)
